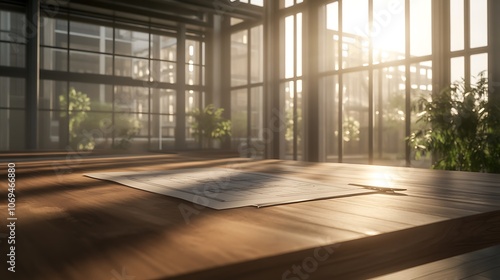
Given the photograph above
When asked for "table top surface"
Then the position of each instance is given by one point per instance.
(74, 227)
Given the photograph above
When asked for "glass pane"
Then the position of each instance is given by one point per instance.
(329, 90)
(259, 3)
(193, 51)
(12, 126)
(332, 16)
(192, 74)
(163, 71)
(388, 32)
(478, 23)
(55, 130)
(239, 60)
(257, 55)
(299, 117)
(163, 101)
(131, 129)
(131, 99)
(89, 37)
(389, 116)
(478, 64)
(84, 62)
(287, 68)
(53, 59)
(54, 32)
(135, 68)
(164, 47)
(299, 45)
(93, 132)
(239, 117)
(286, 3)
(355, 33)
(457, 69)
(420, 27)
(51, 93)
(162, 132)
(131, 43)
(329, 38)
(100, 95)
(12, 92)
(355, 117)
(12, 27)
(457, 15)
(287, 92)
(257, 145)
(12, 55)
(193, 101)
(421, 86)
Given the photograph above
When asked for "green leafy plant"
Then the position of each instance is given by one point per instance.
(85, 127)
(208, 125)
(77, 103)
(462, 129)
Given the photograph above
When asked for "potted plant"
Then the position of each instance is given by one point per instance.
(462, 129)
(209, 125)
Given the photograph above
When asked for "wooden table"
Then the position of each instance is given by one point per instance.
(73, 227)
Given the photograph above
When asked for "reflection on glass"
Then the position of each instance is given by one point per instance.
(355, 117)
(478, 23)
(389, 115)
(420, 27)
(457, 24)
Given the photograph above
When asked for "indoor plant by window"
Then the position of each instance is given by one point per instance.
(209, 125)
(462, 128)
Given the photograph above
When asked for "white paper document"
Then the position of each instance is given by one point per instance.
(224, 188)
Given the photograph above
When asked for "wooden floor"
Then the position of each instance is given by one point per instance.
(73, 227)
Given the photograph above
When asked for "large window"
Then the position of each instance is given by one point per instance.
(371, 74)
(115, 86)
(12, 86)
(291, 86)
(247, 97)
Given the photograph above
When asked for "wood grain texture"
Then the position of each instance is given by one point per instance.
(74, 227)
